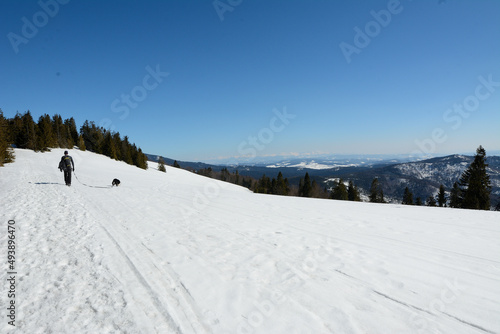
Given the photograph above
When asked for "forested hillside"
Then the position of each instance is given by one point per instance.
(49, 132)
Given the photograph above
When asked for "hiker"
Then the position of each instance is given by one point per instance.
(67, 165)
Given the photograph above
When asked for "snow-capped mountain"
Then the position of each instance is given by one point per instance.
(423, 177)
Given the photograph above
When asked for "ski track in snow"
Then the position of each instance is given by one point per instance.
(178, 253)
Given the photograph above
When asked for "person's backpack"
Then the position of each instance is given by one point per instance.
(62, 165)
(67, 160)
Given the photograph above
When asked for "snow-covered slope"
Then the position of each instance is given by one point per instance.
(178, 253)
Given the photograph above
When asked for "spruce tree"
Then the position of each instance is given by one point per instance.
(407, 197)
(441, 197)
(16, 130)
(59, 131)
(73, 132)
(353, 193)
(376, 192)
(340, 191)
(236, 177)
(455, 196)
(108, 147)
(282, 186)
(381, 196)
(176, 164)
(264, 185)
(26, 132)
(126, 151)
(117, 143)
(431, 201)
(475, 183)
(6, 154)
(418, 201)
(81, 143)
(224, 174)
(46, 137)
(161, 165)
(305, 188)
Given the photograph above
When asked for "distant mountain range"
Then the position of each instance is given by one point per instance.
(423, 177)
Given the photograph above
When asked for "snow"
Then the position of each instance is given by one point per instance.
(310, 165)
(422, 170)
(179, 253)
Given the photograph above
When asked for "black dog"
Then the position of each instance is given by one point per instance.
(115, 182)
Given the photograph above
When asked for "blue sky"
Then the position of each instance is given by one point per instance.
(203, 80)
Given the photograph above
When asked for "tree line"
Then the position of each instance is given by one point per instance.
(471, 191)
(48, 132)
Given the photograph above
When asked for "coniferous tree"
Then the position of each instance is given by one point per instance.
(381, 196)
(305, 188)
(108, 147)
(431, 201)
(353, 193)
(85, 135)
(441, 197)
(22, 132)
(263, 185)
(46, 137)
(73, 132)
(6, 154)
(93, 137)
(81, 143)
(340, 191)
(117, 143)
(475, 183)
(318, 192)
(176, 164)
(236, 177)
(407, 197)
(247, 182)
(68, 134)
(141, 160)
(59, 131)
(16, 130)
(282, 186)
(126, 151)
(418, 201)
(376, 192)
(25, 131)
(455, 195)
(161, 165)
(274, 188)
(225, 175)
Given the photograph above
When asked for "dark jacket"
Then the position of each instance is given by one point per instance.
(66, 163)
